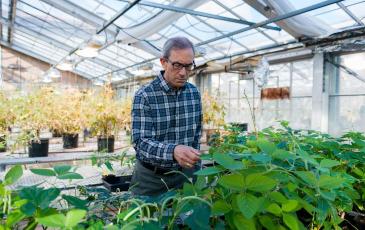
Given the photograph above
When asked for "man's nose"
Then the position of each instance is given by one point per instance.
(183, 71)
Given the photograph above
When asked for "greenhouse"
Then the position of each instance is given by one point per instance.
(182, 114)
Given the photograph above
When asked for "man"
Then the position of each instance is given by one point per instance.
(166, 124)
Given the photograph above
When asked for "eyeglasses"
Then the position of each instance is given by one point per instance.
(179, 66)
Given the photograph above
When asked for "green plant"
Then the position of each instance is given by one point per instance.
(68, 116)
(7, 118)
(34, 113)
(105, 113)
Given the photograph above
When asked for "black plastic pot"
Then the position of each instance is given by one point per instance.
(2, 144)
(70, 141)
(38, 148)
(106, 144)
(116, 183)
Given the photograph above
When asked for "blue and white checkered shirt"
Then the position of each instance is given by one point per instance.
(163, 118)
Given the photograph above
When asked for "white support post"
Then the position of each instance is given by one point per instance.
(320, 94)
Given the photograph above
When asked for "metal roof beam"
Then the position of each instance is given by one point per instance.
(12, 14)
(201, 14)
(275, 19)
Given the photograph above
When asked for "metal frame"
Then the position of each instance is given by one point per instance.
(239, 16)
(349, 13)
(37, 56)
(201, 14)
(278, 18)
(12, 15)
(82, 14)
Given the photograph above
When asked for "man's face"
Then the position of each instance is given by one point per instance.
(178, 66)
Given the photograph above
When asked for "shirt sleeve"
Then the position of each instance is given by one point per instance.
(196, 142)
(144, 133)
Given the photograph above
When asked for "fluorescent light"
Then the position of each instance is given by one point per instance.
(67, 64)
(46, 79)
(54, 73)
(87, 52)
(98, 82)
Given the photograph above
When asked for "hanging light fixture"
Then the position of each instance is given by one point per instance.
(67, 64)
(98, 82)
(91, 48)
(46, 79)
(54, 73)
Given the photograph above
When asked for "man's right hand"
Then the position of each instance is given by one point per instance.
(186, 156)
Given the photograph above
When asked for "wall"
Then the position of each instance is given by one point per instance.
(22, 72)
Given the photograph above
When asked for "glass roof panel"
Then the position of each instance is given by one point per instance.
(335, 18)
(280, 36)
(352, 2)
(5, 33)
(43, 51)
(248, 13)
(301, 4)
(56, 20)
(5, 8)
(253, 39)
(358, 10)
(89, 5)
(47, 30)
(138, 14)
(231, 3)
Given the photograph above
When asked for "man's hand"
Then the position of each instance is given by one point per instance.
(186, 156)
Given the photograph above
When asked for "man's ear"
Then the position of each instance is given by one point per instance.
(163, 63)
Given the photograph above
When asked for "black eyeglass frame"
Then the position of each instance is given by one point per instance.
(179, 66)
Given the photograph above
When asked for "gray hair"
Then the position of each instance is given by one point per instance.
(178, 43)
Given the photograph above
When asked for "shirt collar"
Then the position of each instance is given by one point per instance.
(165, 86)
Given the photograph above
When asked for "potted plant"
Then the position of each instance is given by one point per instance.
(33, 115)
(68, 117)
(213, 115)
(104, 117)
(7, 118)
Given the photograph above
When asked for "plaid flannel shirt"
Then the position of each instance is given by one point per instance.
(163, 118)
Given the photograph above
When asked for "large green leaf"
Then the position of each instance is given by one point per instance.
(278, 197)
(328, 182)
(328, 163)
(13, 175)
(259, 183)
(75, 201)
(290, 206)
(227, 162)
(307, 177)
(232, 181)
(241, 223)
(54, 221)
(267, 222)
(209, 171)
(70, 175)
(274, 209)
(62, 169)
(282, 154)
(43, 172)
(266, 146)
(220, 207)
(47, 196)
(248, 204)
(291, 221)
(73, 217)
(262, 158)
(199, 219)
